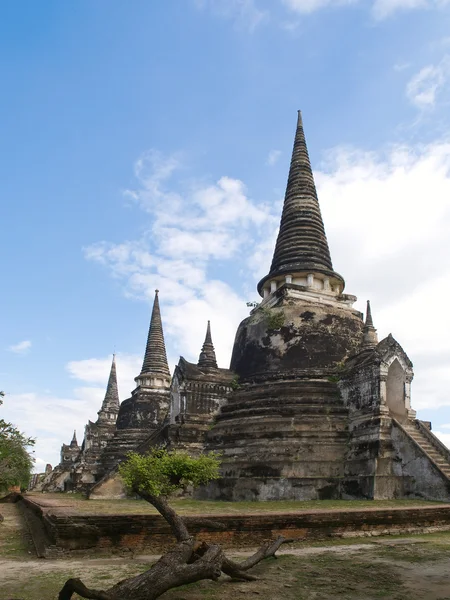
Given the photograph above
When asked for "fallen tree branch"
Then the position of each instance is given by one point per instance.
(267, 549)
(186, 563)
(76, 586)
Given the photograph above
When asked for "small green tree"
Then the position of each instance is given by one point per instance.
(16, 463)
(154, 477)
(162, 472)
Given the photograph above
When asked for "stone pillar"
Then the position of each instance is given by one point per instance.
(383, 396)
(288, 278)
(409, 411)
(273, 286)
(310, 280)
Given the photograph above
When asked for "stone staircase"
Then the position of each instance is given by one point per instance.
(430, 444)
(124, 441)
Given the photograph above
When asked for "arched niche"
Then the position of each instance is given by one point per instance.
(395, 391)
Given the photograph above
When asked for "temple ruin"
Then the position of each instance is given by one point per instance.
(313, 406)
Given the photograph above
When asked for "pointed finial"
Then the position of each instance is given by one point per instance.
(370, 337)
(302, 245)
(111, 402)
(369, 321)
(155, 359)
(208, 337)
(207, 356)
(74, 439)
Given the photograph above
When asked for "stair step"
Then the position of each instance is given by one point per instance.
(427, 447)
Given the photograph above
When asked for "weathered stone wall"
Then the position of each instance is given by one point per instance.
(74, 531)
(294, 335)
(110, 487)
(364, 386)
(146, 409)
(281, 440)
(420, 476)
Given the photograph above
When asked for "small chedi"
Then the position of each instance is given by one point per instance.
(312, 407)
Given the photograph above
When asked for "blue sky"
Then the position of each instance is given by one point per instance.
(147, 144)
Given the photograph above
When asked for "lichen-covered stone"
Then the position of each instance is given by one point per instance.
(296, 335)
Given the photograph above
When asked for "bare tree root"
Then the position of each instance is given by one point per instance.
(238, 570)
(267, 550)
(76, 586)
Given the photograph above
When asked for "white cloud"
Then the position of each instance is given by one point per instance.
(21, 347)
(385, 8)
(52, 419)
(444, 437)
(273, 157)
(309, 6)
(381, 9)
(244, 13)
(401, 66)
(96, 371)
(423, 88)
(193, 228)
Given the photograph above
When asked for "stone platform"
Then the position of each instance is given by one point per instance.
(59, 528)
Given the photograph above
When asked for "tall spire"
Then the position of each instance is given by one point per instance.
(302, 245)
(155, 359)
(370, 337)
(207, 356)
(111, 401)
(74, 442)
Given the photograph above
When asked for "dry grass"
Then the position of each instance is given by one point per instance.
(198, 507)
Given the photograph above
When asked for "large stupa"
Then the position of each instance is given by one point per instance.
(321, 409)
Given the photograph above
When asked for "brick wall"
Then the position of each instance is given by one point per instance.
(68, 530)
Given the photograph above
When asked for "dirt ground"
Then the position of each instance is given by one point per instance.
(410, 568)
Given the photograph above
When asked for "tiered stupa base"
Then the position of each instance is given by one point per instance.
(281, 440)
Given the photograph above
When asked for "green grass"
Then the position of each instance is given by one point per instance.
(14, 538)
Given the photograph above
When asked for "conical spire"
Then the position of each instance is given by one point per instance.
(302, 245)
(369, 320)
(74, 439)
(207, 356)
(155, 360)
(111, 401)
(370, 337)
